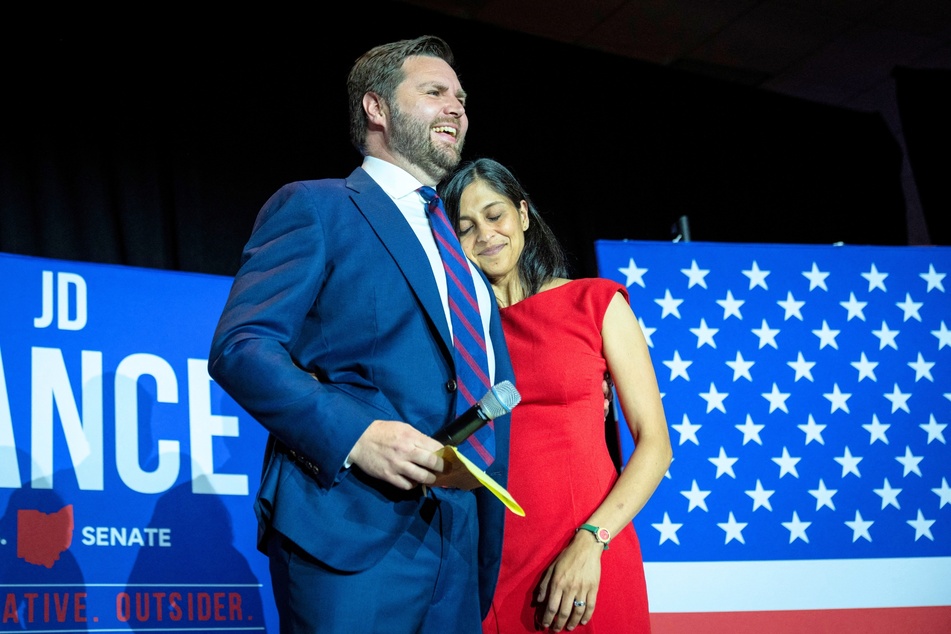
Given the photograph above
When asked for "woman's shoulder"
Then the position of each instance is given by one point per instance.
(555, 282)
(599, 285)
(591, 295)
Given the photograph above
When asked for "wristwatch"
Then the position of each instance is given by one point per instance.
(600, 533)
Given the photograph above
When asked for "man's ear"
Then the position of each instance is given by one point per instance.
(375, 108)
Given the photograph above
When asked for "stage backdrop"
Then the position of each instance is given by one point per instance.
(808, 394)
(126, 474)
(808, 390)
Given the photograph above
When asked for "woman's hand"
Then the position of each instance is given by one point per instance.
(573, 576)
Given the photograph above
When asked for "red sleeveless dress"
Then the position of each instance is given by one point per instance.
(560, 468)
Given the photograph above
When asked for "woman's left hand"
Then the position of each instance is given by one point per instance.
(568, 590)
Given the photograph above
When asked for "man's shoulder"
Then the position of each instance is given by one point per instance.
(325, 188)
(358, 180)
(322, 195)
(315, 184)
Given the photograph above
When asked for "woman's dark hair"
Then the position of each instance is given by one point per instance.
(542, 258)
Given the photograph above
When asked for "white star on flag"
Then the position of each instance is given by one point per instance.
(802, 367)
(777, 399)
(696, 497)
(910, 308)
(823, 495)
(922, 368)
(850, 463)
(943, 335)
(817, 278)
(695, 275)
(933, 278)
(668, 530)
(797, 528)
(669, 304)
(724, 464)
(899, 400)
(731, 307)
(687, 431)
(826, 336)
(943, 492)
(741, 367)
(756, 276)
(922, 526)
(760, 496)
(634, 275)
(678, 367)
(787, 464)
(876, 430)
(865, 367)
(854, 307)
(886, 337)
(751, 431)
(767, 335)
(910, 462)
(792, 307)
(875, 279)
(888, 494)
(934, 430)
(838, 399)
(813, 431)
(705, 334)
(733, 529)
(714, 399)
(860, 527)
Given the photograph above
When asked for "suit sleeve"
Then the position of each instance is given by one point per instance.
(283, 267)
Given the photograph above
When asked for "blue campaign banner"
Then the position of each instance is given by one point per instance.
(127, 476)
(807, 389)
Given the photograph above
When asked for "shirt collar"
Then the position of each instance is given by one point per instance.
(394, 180)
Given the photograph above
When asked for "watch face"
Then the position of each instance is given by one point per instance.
(604, 535)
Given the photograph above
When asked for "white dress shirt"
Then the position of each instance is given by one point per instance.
(402, 188)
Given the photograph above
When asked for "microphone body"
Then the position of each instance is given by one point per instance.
(498, 401)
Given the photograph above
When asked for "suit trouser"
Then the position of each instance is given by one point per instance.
(427, 583)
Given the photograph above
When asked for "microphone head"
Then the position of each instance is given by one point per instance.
(499, 400)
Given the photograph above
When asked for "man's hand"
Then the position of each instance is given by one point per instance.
(398, 453)
(455, 475)
(607, 385)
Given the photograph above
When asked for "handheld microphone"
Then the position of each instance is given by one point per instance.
(498, 401)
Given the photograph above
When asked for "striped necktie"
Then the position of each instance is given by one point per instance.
(472, 366)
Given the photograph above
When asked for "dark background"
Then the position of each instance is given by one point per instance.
(153, 141)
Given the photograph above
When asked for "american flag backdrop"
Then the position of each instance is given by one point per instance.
(808, 395)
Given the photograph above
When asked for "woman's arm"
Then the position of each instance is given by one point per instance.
(630, 365)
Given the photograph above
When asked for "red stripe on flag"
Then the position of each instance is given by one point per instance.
(920, 620)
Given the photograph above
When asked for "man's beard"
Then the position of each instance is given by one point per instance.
(411, 139)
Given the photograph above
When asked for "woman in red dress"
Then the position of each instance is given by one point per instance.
(574, 560)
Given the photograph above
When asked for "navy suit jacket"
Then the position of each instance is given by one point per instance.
(333, 321)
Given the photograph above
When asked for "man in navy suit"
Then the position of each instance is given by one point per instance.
(336, 338)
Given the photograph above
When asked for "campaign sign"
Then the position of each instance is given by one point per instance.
(127, 475)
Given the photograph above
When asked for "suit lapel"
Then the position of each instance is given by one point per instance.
(401, 243)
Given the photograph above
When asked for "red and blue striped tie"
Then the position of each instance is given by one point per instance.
(472, 366)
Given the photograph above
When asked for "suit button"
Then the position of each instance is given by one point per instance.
(451, 385)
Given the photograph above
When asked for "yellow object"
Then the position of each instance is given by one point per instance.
(454, 456)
